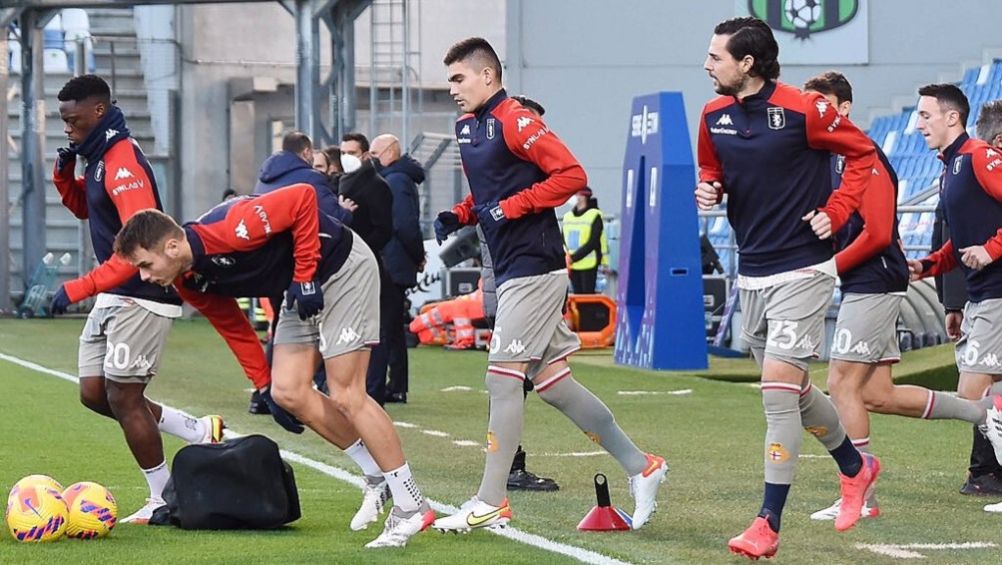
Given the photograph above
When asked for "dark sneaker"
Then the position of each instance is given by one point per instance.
(257, 405)
(396, 397)
(524, 480)
(982, 485)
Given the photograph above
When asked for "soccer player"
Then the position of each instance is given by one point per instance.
(121, 343)
(767, 146)
(252, 247)
(972, 202)
(871, 265)
(518, 172)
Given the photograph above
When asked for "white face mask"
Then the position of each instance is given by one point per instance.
(350, 163)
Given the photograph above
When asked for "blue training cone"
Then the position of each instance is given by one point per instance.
(604, 517)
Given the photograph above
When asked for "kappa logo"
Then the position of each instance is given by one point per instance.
(725, 120)
(862, 348)
(807, 343)
(990, 153)
(465, 130)
(123, 173)
(515, 347)
(108, 134)
(348, 335)
(523, 123)
(241, 231)
(777, 117)
(994, 159)
(990, 360)
(822, 106)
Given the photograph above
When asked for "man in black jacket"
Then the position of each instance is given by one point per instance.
(403, 255)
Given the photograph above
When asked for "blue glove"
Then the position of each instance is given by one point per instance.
(307, 298)
(65, 156)
(60, 302)
(446, 223)
(282, 418)
(490, 214)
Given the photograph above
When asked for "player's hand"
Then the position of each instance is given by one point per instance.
(60, 302)
(347, 203)
(915, 269)
(282, 418)
(446, 223)
(65, 156)
(306, 297)
(975, 257)
(820, 223)
(708, 194)
(953, 321)
(490, 214)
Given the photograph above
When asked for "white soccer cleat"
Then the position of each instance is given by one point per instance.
(831, 512)
(374, 497)
(644, 489)
(473, 514)
(997, 507)
(143, 515)
(213, 429)
(993, 426)
(398, 528)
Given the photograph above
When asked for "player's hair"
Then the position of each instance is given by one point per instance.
(950, 96)
(85, 87)
(833, 83)
(530, 103)
(333, 153)
(475, 48)
(363, 141)
(989, 124)
(296, 142)
(145, 229)
(752, 36)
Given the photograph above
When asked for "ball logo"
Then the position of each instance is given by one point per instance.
(803, 18)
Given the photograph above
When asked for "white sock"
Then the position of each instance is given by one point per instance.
(406, 494)
(182, 425)
(361, 456)
(157, 479)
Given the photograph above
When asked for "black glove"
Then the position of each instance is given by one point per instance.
(307, 298)
(60, 302)
(490, 214)
(446, 223)
(282, 418)
(65, 156)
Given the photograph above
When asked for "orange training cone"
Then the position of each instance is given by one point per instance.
(604, 517)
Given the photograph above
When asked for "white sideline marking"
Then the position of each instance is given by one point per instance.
(404, 425)
(682, 392)
(579, 553)
(573, 454)
(903, 550)
(466, 443)
(435, 433)
(457, 389)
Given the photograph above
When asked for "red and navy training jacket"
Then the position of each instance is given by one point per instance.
(869, 257)
(972, 202)
(117, 183)
(771, 152)
(511, 156)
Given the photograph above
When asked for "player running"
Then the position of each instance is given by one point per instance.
(518, 172)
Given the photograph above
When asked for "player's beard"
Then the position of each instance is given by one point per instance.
(731, 89)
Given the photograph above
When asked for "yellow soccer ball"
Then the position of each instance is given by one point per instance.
(36, 513)
(43, 480)
(92, 510)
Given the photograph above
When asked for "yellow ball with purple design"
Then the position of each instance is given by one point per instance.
(36, 513)
(43, 480)
(92, 510)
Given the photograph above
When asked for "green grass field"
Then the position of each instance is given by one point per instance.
(711, 436)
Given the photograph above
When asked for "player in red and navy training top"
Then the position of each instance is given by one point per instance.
(260, 246)
(768, 146)
(972, 201)
(120, 345)
(874, 275)
(519, 171)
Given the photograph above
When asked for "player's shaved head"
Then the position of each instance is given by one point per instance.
(476, 52)
(385, 148)
(145, 230)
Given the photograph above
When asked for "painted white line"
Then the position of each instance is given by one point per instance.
(813, 456)
(404, 425)
(579, 553)
(457, 389)
(682, 392)
(572, 454)
(904, 550)
(466, 443)
(435, 433)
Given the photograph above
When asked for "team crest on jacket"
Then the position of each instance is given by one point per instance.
(840, 164)
(957, 163)
(491, 125)
(777, 118)
(99, 172)
(224, 261)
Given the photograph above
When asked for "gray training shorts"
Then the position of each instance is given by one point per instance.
(866, 330)
(122, 343)
(979, 349)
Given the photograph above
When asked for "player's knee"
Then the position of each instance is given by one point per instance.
(124, 400)
(94, 398)
(349, 401)
(288, 397)
(879, 405)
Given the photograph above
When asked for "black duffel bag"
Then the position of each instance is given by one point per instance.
(241, 483)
